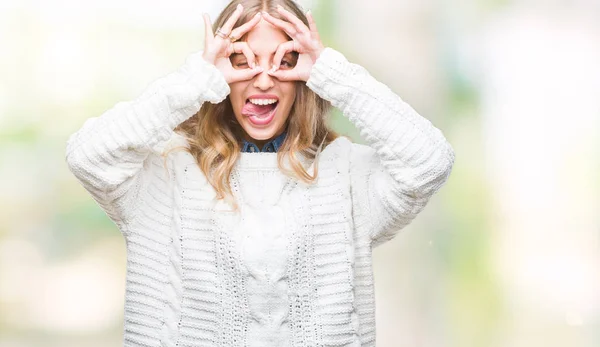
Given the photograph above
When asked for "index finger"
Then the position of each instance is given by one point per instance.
(281, 24)
(244, 28)
(300, 26)
(233, 19)
(282, 50)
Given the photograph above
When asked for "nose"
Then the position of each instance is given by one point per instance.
(263, 80)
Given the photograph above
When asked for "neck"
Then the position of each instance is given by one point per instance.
(261, 143)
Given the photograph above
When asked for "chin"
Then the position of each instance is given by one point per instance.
(260, 134)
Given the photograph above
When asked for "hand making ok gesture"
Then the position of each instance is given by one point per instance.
(218, 48)
(305, 41)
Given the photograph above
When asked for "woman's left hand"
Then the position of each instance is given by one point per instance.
(305, 41)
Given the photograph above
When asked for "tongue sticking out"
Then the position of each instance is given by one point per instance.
(251, 109)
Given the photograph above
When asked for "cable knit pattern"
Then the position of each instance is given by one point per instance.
(262, 231)
(294, 267)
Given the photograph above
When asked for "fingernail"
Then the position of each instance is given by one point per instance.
(279, 7)
(308, 13)
(265, 13)
(239, 7)
(252, 65)
(257, 14)
(258, 68)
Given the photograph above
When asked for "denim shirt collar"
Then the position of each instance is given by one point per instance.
(271, 146)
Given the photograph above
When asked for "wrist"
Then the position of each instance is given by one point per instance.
(316, 54)
(208, 58)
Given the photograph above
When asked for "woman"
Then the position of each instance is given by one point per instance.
(230, 247)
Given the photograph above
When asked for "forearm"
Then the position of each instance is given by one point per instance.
(414, 152)
(107, 153)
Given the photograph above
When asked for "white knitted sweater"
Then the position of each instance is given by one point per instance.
(294, 269)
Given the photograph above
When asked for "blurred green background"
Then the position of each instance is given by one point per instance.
(506, 254)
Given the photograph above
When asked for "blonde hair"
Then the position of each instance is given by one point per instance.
(215, 136)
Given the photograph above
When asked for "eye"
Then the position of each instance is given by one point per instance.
(289, 60)
(287, 63)
(238, 61)
(241, 64)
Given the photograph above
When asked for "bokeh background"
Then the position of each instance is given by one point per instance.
(507, 254)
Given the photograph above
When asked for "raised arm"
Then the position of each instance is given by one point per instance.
(407, 159)
(107, 154)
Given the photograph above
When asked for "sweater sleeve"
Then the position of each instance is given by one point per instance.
(108, 152)
(406, 159)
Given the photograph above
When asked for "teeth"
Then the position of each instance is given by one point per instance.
(263, 101)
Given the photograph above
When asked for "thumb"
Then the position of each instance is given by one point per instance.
(245, 74)
(286, 75)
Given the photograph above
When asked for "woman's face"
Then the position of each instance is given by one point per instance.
(262, 104)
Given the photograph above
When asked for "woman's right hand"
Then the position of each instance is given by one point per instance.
(218, 49)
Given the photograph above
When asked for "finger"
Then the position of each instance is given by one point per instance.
(208, 33)
(286, 75)
(242, 47)
(282, 49)
(226, 28)
(240, 31)
(312, 25)
(281, 24)
(300, 26)
(245, 74)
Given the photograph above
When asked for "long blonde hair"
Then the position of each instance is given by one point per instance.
(215, 136)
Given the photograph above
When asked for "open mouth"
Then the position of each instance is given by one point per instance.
(260, 112)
